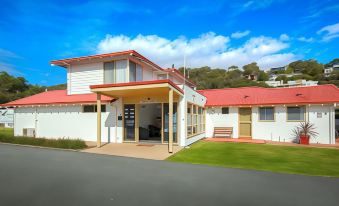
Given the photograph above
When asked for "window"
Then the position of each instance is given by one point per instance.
(195, 117)
(116, 71)
(195, 120)
(109, 73)
(162, 76)
(189, 120)
(224, 110)
(295, 113)
(132, 71)
(93, 108)
(266, 114)
(120, 69)
(135, 72)
(139, 73)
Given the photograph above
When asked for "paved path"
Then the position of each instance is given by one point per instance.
(33, 176)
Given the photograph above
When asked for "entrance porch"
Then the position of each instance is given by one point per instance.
(150, 111)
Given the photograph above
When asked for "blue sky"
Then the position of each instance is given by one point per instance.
(218, 34)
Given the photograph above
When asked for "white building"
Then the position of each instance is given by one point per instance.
(272, 113)
(124, 97)
(329, 70)
(295, 83)
(6, 117)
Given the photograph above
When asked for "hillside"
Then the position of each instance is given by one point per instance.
(12, 88)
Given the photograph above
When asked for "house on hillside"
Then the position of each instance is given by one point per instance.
(329, 70)
(124, 97)
(278, 69)
(296, 83)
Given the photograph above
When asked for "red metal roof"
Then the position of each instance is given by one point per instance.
(138, 83)
(270, 96)
(56, 97)
(244, 96)
(65, 62)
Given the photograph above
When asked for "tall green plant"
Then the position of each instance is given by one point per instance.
(304, 128)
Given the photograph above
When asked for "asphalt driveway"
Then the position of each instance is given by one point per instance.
(33, 176)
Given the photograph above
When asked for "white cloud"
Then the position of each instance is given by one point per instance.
(304, 39)
(329, 32)
(207, 50)
(240, 34)
(284, 37)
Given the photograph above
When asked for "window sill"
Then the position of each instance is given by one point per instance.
(192, 135)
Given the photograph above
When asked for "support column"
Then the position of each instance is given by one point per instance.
(98, 120)
(170, 121)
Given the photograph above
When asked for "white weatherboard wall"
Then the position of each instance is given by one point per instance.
(279, 130)
(81, 76)
(214, 118)
(69, 122)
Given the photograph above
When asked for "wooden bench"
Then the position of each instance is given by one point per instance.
(223, 132)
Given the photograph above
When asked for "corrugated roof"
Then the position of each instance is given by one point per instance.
(271, 96)
(56, 97)
(65, 62)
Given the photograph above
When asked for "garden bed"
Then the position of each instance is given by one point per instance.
(6, 136)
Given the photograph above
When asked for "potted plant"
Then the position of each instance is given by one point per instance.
(304, 131)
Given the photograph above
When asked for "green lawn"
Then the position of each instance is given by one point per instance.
(7, 136)
(286, 159)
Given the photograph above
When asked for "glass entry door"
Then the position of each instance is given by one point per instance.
(166, 122)
(129, 122)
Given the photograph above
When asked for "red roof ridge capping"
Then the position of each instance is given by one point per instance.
(179, 73)
(159, 81)
(62, 62)
(318, 94)
(56, 97)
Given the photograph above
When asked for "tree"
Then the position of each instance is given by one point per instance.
(251, 68)
(12, 88)
(263, 76)
(331, 63)
(281, 77)
(310, 67)
(233, 67)
(234, 75)
(208, 78)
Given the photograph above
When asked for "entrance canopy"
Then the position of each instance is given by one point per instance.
(138, 89)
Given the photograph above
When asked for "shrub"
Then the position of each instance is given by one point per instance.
(7, 137)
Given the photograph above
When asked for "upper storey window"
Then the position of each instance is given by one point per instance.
(135, 72)
(162, 76)
(116, 72)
